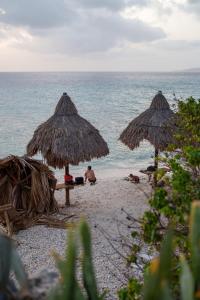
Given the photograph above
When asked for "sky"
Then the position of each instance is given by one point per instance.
(99, 35)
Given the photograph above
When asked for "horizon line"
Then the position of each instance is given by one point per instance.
(195, 70)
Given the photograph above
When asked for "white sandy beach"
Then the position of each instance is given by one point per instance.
(101, 204)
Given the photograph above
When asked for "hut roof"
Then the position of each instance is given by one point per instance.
(26, 183)
(67, 138)
(151, 125)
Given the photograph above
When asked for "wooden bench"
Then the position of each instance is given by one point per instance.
(67, 188)
(61, 186)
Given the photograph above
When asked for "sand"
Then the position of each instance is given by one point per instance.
(101, 205)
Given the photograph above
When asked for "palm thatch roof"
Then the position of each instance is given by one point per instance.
(67, 138)
(27, 187)
(151, 125)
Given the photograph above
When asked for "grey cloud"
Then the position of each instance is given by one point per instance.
(192, 6)
(36, 13)
(177, 45)
(101, 33)
(51, 13)
(195, 2)
(65, 26)
(111, 4)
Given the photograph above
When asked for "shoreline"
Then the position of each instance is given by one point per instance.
(103, 174)
(101, 205)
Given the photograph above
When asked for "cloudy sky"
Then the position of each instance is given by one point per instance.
(99, 35)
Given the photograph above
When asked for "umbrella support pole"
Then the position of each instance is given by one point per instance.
(156, 167)
(67, 200)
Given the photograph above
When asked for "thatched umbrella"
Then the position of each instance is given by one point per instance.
(66, 138)
(151, 125)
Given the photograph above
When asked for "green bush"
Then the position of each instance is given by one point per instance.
(170, 206)
(158, 283)
(69, 287)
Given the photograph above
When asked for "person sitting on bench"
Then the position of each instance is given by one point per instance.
(90, 176)
(69, 179)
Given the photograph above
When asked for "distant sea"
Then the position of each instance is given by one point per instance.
(108, 100)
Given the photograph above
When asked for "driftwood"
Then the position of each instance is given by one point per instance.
(18, 221)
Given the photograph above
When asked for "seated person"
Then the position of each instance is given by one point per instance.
(69, 179)
(134, 178)
(90, 176)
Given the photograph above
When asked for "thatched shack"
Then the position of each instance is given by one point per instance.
(67, 138)
(27, 187)
(154, 125)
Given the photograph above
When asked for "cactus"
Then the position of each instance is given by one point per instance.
(186, 281)
(10, 262)
(87, 266)
(195, 240)
(68, 288)
(157, 281)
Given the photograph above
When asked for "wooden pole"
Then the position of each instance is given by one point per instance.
(156, 167)
(156, 159)
(67, 200)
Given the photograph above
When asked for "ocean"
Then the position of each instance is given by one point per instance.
(108, 100)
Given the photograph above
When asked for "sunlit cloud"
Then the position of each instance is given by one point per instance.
(11, 36)
(2, 11)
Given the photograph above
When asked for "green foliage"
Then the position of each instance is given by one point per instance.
(69, 288)
(188, 122)
(158, 282)
(170, 206)
(10, 262)
(132, 291)
(195, 241)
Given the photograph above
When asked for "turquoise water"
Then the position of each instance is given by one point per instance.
(108, 100)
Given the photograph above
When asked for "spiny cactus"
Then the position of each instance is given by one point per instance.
(195, 240)
(186, 281)
(87, 266)
(10, 262)
(157, 282)
(69, 288)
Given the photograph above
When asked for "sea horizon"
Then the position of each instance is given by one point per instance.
(192, 70)
(109, 100)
